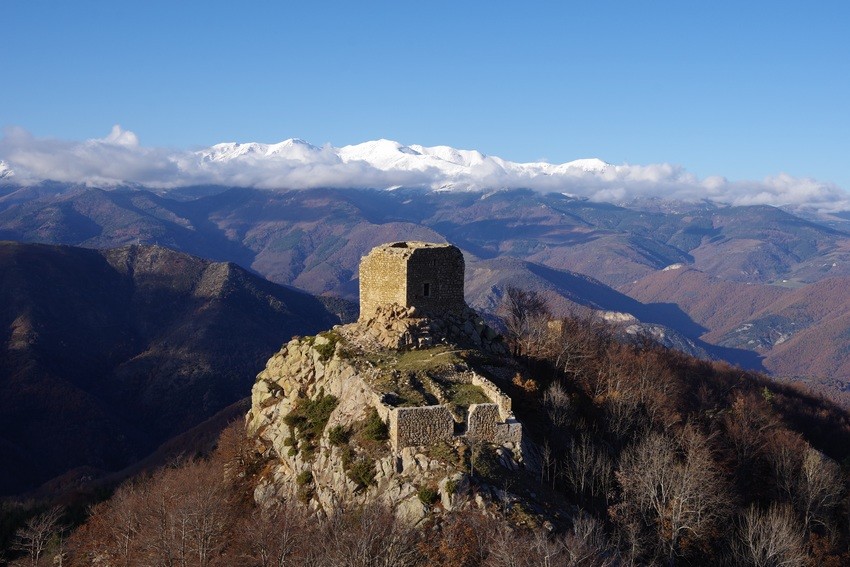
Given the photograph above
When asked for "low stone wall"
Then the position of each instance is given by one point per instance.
(485, 423)
(384, 410)
(420, 426)
(495, 394)
(508, 433)
(481, 421)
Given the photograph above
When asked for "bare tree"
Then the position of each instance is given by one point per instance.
(526, 317)
(557, 404)
(548, 468)
(808, 479)
(770, 539)
(34, 538)
(586, 545)
(580, 341)
(674, 485)
(371, 536)
(820, 488)
(476, 444)
(588, 469)
(273, 537)
(111, 533)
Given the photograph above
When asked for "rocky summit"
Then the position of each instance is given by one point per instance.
(399, 407)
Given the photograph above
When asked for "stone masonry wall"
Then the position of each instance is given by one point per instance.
(441, 270)
(420, 426)
(383, 280)
(424, 275)
(502, 400)
(482, 420)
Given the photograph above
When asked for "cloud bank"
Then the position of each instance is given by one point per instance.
(119, 158)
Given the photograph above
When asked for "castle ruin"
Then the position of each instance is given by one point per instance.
(422, 275)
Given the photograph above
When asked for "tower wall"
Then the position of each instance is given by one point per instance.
(424, 275)
(435, 279)
(383, 280)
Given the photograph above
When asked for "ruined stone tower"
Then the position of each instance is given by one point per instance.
(424, 275)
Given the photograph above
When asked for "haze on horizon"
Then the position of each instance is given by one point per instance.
(742, 93)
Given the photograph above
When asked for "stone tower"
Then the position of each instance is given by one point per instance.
(424, 275)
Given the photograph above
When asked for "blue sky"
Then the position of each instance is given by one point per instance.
(743, 89)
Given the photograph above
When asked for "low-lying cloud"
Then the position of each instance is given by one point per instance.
(119, 158)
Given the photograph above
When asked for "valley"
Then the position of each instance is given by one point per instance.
(734, 281)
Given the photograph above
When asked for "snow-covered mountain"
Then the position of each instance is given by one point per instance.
(119, 159)
(448, 168)
(5, 171)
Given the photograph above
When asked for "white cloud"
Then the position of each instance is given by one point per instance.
(120, 137)
(294, 164)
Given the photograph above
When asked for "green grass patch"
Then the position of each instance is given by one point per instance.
(447, 453)
(464, 395)
(429, 360)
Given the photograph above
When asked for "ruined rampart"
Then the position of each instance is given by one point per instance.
(502, 400)
(420, 426)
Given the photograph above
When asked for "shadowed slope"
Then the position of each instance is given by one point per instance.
(108, 353)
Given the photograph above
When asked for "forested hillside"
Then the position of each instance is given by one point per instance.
(644, 455)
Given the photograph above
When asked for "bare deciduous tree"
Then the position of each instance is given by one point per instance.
(557, 404)
(586, 545)
(820, 488)
(33, 539)
(770, 539)
(526, 317)
(370, 536)
(273, 537)
(588, 469)
(675, 486)
(806, 478)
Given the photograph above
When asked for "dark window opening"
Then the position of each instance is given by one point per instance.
(426, 290)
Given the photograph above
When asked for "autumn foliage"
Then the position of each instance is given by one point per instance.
(645, 456)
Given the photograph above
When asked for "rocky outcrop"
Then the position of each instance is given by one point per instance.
(396, 327)
(339, 457)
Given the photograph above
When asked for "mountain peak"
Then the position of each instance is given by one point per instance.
(5, 170)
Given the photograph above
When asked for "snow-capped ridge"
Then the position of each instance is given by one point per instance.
(119, 159)
(6, 172)
(590, 165)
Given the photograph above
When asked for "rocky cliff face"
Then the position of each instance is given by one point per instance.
(391, 409)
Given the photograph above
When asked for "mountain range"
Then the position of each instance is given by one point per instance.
(109, 353)
(120, 160)
(737, 283)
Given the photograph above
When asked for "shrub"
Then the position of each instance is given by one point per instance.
(326, 350)
(308, 419)
(304, 478)
(427, 495)
(339, 435)
(362, 472)
(374, 427)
